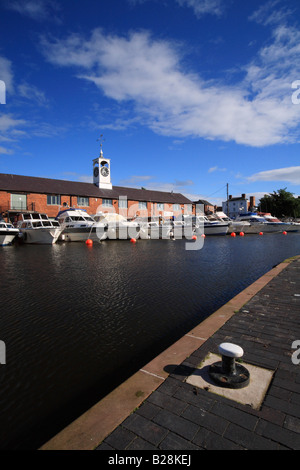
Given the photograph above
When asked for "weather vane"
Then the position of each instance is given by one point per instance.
(101, 140)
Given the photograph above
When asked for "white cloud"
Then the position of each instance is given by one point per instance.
(9, 130)
(289, 175)
(215, 168)
(147, 181)
(200, 7)
(269, 13)
(35, 9)
(32, 93)
(5, 151)
(148, 75)
(203, 7)
(135, 180)
(8, 123)
(6, 73)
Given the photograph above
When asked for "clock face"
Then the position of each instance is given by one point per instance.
(104, 171)
(96, 171)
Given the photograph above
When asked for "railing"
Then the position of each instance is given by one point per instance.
(4, 208)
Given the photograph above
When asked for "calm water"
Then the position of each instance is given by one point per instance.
(77, 321)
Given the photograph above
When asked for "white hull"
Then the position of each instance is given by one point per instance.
(237, 227)
(156, 233)
(122, 232)
(218, 229)
(7, 233)
(265, 228)
(40, 235)
(7, 239)
(294, 227)
(82, 234)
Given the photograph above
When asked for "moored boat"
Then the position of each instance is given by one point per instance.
(203, 226)
(258, 223)
(118, 227)
(77, 226)
(282, 226)
(7, 233)
(155, 228)
(233, 225)
(37, 228)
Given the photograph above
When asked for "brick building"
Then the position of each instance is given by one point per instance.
(22, 193)
(204, 206)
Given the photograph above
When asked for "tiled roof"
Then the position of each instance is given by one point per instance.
(33, 184)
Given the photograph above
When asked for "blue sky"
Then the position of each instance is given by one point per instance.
(189, 95)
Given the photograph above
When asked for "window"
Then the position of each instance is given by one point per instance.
(142, 205)
(18, 201)
(53, 200)
(176, 207)
(83, 201)
(160, 206)
(123, 203)
(107, 202)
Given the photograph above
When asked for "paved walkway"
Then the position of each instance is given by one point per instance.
(180, 416)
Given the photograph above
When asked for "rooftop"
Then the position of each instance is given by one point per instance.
(33, 184)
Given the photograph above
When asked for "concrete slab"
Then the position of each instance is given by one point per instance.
(252, 395)
(174, 355)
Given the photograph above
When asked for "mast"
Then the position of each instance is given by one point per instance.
(227, 199)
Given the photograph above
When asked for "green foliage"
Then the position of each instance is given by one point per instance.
(280, 204)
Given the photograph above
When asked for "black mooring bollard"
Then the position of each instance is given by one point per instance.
(228, 373)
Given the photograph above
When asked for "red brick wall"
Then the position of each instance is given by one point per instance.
(38, 202)
(4, 201)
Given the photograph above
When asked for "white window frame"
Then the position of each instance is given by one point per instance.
(57, 200)
(83, 199)
(107, 202)
(143, 205)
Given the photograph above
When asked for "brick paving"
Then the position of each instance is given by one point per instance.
(179, 416)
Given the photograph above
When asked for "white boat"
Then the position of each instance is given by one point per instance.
(281, 226)
(257, 223)
(37, 228)
(118, 227)
(77, 226)
(203, 226)
(155, 228)
(7, 233)
(233, 225)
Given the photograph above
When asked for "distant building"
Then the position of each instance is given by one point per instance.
(27, 193)
(238, 205)
(208, 208)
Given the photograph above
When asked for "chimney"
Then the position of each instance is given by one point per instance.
(230, 197)
(252, 201)
(244, 196)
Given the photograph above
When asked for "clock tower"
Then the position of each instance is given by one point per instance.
(101, 172)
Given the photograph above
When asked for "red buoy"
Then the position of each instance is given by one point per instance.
(133, 240)
(194, 237)
(233, 234)
(261, 233)
(203, 235)
(89, 242)
(284, 233)
(242, 234)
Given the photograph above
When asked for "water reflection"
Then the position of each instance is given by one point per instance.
(77, 321)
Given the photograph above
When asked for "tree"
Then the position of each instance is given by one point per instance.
(280, 204)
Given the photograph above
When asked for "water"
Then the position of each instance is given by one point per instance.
(78, 321)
